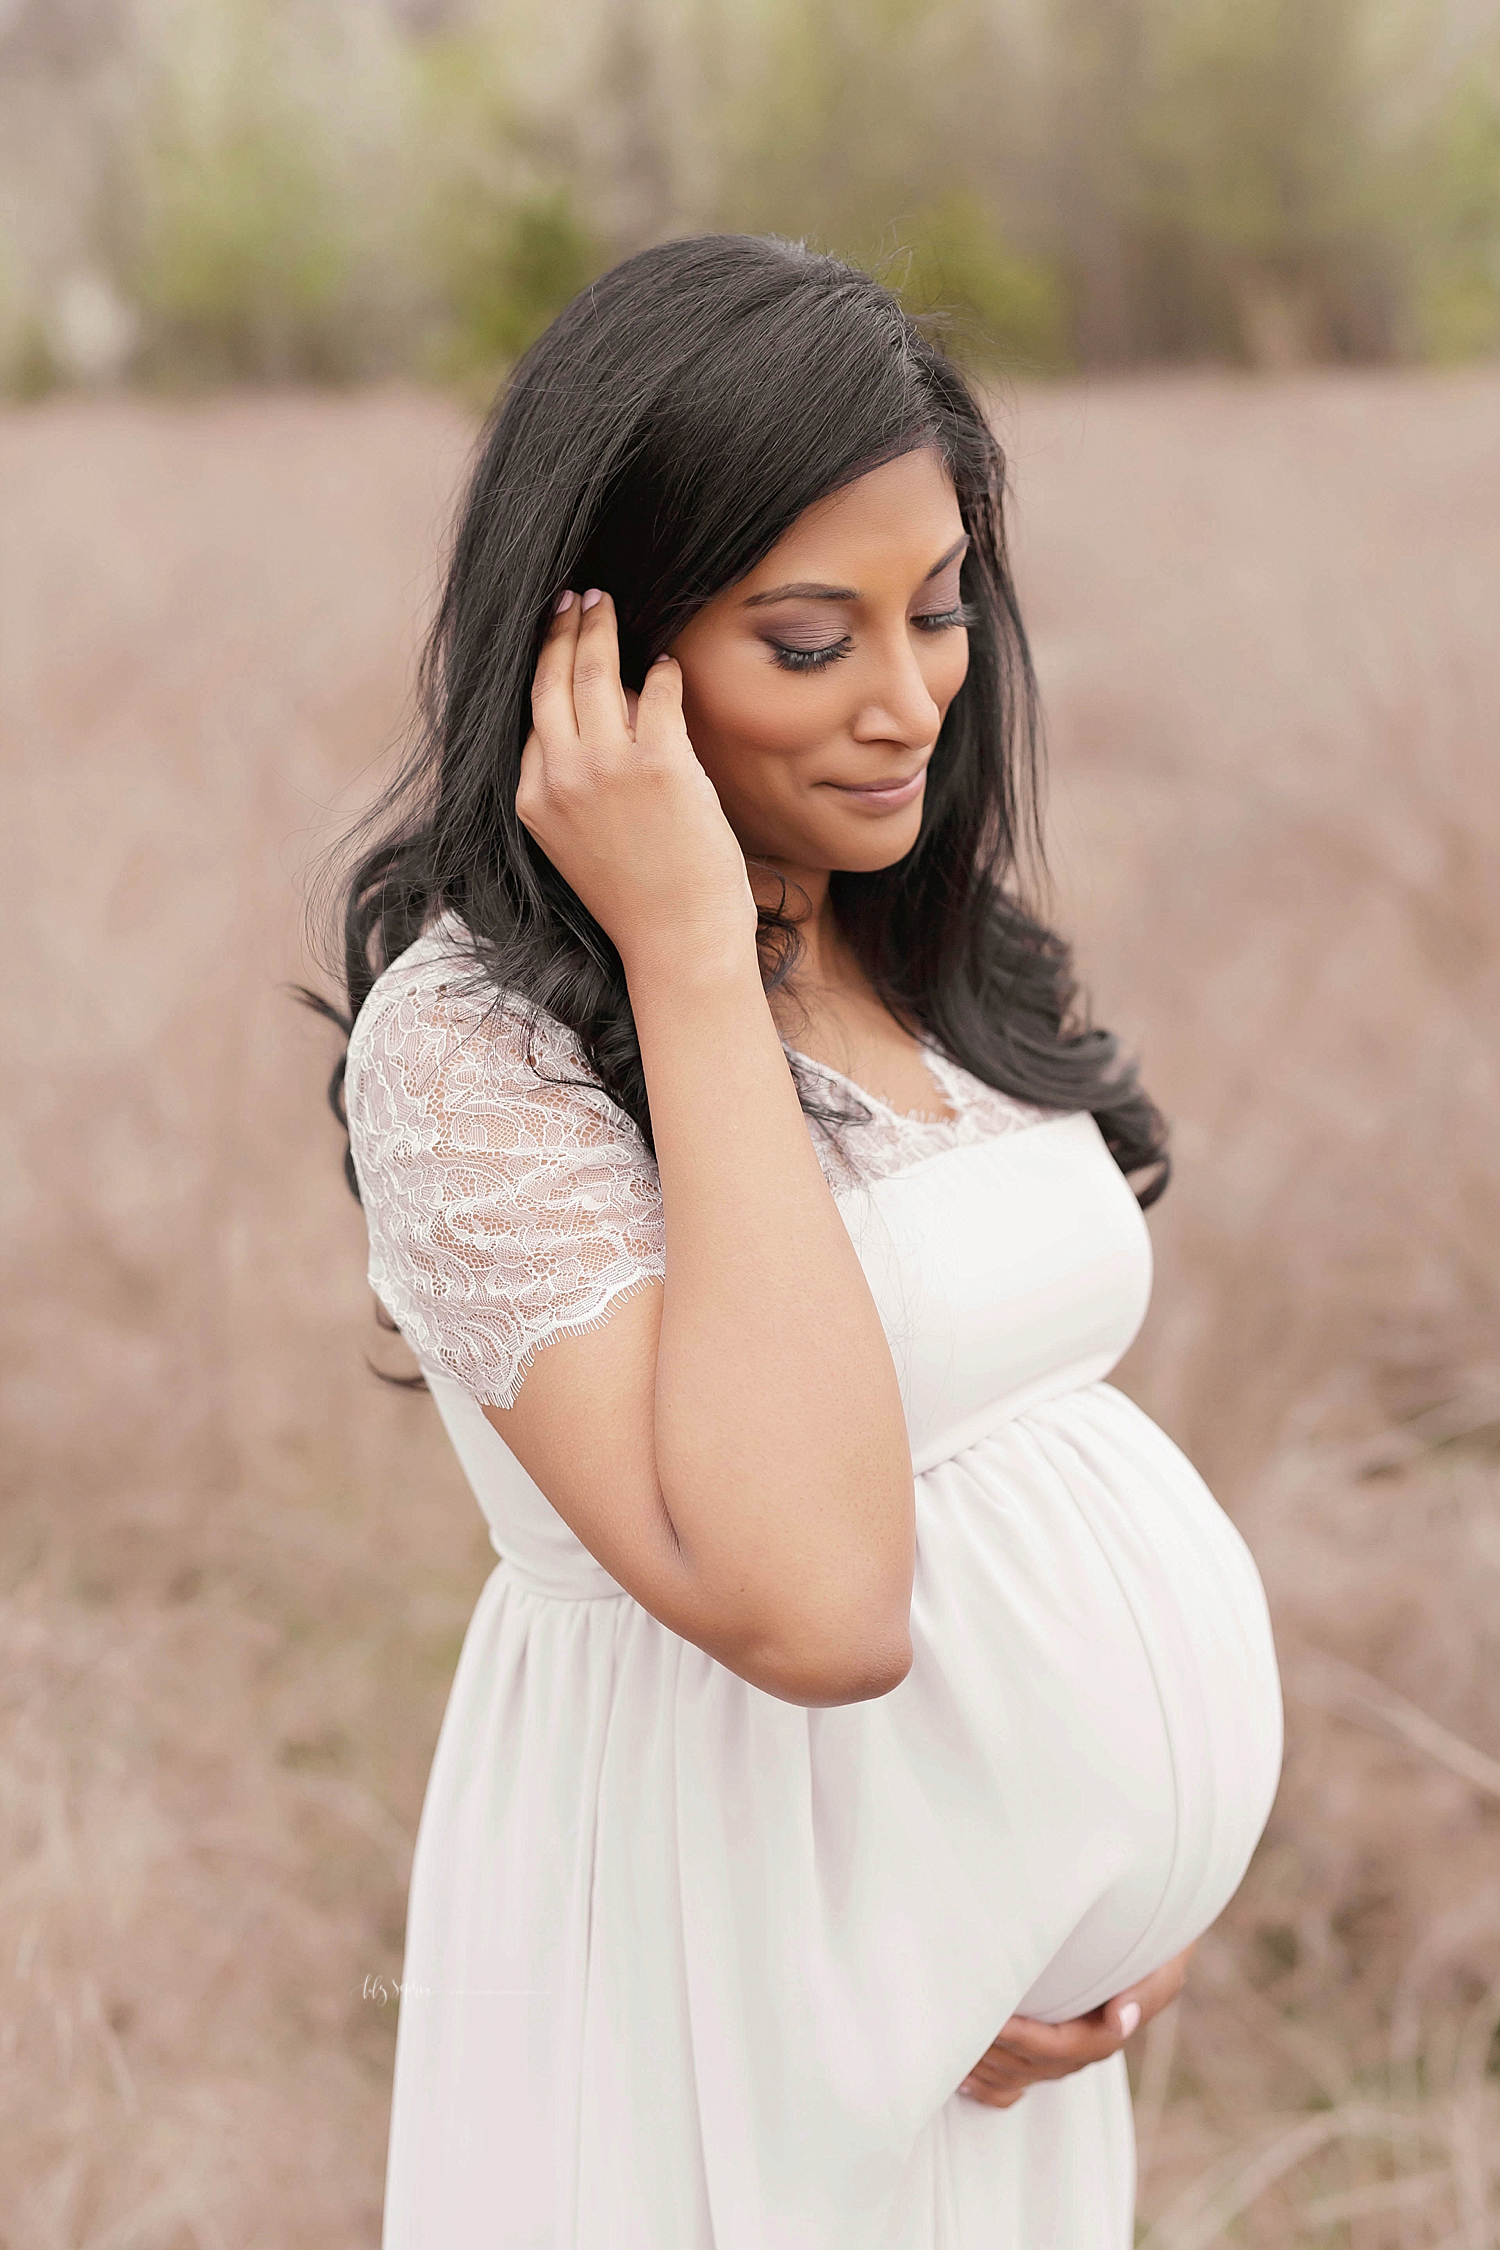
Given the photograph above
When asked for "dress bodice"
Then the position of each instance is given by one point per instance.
(1005, 1273)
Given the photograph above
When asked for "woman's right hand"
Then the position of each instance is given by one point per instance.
(623, 810)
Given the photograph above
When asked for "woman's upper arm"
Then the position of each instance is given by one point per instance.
(516, 1239)
(583, 1428)
(508, 1203)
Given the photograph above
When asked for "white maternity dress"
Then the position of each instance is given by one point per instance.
(689, 1968)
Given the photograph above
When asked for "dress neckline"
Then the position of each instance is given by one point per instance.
(933, 1064)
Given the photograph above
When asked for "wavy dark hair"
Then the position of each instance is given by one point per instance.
(672, 423)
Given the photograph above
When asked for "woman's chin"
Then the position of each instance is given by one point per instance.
(875, 841)
(858, 844)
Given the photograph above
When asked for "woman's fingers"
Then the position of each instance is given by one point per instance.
(998, 2079)
(598, 696)
(658, 718)
(577, 699)
(1027, 2051)
(1150, 1995)
(629, 819)
(1059, 2047)
(552, 707)
(994, 2096)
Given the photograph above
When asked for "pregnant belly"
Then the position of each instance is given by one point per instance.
(1094, 1663)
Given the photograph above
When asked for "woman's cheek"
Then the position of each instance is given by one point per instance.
(954, 671)
(776, 716)
(735, 702)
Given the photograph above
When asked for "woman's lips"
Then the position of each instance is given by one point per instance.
(881, 796)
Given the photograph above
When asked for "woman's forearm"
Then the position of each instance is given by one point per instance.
(781, 1445)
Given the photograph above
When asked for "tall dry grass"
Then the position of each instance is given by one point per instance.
(235, 1568)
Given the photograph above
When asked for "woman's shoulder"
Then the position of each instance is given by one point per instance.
(433, 1014)
(508, 1200)
(454, 1089)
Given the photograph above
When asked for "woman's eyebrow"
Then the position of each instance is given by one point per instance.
(804, 590)
(952, 555)
(807, 590)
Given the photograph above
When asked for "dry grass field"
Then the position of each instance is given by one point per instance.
(235, 1568)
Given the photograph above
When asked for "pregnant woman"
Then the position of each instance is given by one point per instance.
(869, 1705)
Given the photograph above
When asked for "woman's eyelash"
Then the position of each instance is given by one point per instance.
(936, 620)
(810, 659)
(815, 659)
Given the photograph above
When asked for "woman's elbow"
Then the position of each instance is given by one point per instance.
(830, 1671)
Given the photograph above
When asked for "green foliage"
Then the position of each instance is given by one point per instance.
(245, 264)
(998, 307)
(870, 121)
(270, 236)
(503, 240)
(893, 132)
(27, 369)
(1261, 179)
(249, 233)
(1453, 210)
(1254, 133)
(511, 269)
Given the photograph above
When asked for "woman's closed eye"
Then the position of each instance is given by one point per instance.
(813, 659)
(944, 620)
(816, 656)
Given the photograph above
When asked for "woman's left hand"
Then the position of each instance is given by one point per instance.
(1025, 2051)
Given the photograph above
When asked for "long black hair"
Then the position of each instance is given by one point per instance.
(672, 423)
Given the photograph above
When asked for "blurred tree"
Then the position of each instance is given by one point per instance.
(1450, 221)
(863, 113)
(516, 269)
(999, 307)
(68, 73)
(629, 115)
(901, 134)
(504, 241)
(244, 260)
(1090, 162)
(1261, 182)
(267, 233)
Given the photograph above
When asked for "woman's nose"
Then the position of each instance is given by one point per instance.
(898, 705)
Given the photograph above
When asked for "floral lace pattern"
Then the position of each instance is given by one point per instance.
(882, 1141)
(509, 1202)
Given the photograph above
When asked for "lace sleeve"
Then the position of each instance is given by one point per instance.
(504, 1211)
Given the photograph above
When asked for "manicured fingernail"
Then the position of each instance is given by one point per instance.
(593, 595)
(967, 2087)
(661, 659)
(563, 601)
(1130, 2016)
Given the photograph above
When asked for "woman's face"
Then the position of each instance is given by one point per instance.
(815, 687)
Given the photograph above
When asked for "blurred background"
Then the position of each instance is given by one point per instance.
(195, 191)
(1230, 273)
